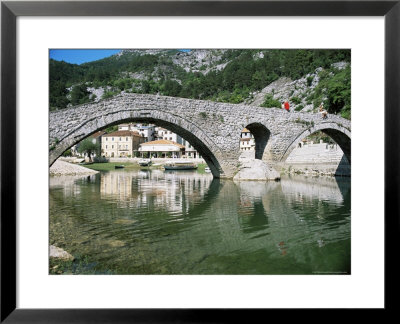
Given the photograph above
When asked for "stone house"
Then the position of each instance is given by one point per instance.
(123, 143)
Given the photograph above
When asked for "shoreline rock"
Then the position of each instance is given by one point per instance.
(59, 253)
(255, 169)
(64, 168)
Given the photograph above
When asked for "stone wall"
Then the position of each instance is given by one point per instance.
(320, 158)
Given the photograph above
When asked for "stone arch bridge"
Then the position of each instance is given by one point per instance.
(212, 128)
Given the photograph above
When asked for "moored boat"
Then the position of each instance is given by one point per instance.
(144, 162)
(119, 166)
(180, 165)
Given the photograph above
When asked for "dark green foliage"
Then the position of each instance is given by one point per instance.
(171, 88)
(299, 108)
(334, 90)
(270, 102)
(89, 147)
(317, 136)
(108, 94)
(295, 100)
(58, 93)
(112, 129)
(67, 153)
(79, 95)
(123, 84)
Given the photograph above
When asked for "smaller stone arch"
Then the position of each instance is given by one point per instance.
(261, 137)
(338, 133)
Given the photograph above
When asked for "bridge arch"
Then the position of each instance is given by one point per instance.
(184, 127)
(261, 136)
(340, 134)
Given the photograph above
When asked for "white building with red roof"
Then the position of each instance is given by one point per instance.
(162, 148)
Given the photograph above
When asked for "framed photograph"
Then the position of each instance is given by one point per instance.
(199, 156)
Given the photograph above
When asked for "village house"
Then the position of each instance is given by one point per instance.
(122, 143)
(161, 149)
(146, 131)
(190, 151)
(247, 142)
(165, 134)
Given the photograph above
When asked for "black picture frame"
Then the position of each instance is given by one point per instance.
(10, 10)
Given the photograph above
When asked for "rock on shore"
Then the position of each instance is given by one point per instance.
(64, 168)
(254, 169)
(59, 253)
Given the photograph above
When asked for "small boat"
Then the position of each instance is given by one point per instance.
(119, 166)
(179, 165)
(144, 162)
(207, 169)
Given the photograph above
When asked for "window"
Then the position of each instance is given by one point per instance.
(120, 139)
(112, 146)
(126, 139)
(106, 138)
(106, 146)
(112, 138)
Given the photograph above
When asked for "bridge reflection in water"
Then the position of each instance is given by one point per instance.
(189, 223)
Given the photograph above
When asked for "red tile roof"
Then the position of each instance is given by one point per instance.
(98, 134)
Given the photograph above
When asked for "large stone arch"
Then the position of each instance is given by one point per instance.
(177, 124)
(340, 134)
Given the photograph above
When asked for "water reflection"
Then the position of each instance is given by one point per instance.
(186, 222)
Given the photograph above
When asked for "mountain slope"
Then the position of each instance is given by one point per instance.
(261, 77)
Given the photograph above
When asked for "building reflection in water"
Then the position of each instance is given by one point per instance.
(155, 188)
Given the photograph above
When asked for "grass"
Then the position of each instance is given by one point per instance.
(110, 166)
(201, 167)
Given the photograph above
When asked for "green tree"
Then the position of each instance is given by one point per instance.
(270, 102)
(89, 146)
(79, 94)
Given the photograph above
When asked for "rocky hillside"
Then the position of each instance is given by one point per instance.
(259, 77)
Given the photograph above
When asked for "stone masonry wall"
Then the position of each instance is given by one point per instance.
(320, 158)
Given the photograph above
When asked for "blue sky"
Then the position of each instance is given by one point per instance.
(79, 56)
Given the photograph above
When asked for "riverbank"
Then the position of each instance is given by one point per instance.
(80, 265)
(60, 168)
(109, 166)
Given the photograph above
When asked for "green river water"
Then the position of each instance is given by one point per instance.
(184, 222)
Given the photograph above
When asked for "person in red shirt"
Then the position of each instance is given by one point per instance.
(286, 106)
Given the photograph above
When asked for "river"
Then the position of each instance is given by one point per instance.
(185, 222)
